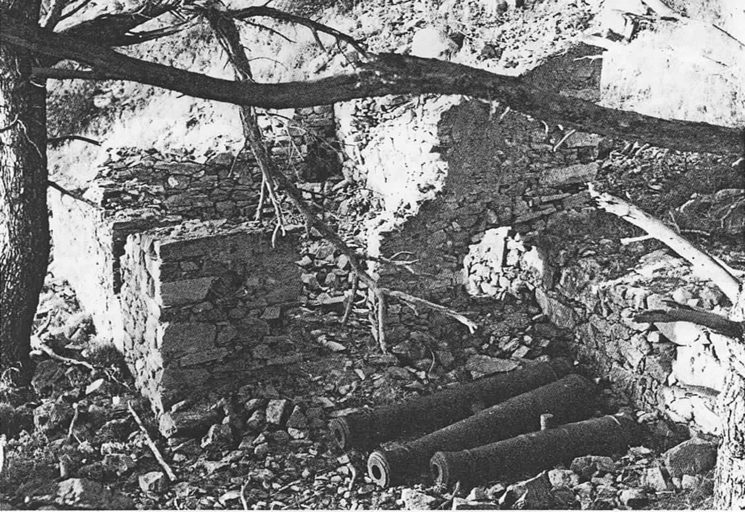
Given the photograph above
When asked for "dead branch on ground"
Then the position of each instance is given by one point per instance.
(682, 313)
(702, 263)
(412, 300)
(151, 444)
(39, 345)
(353, 295)
(53, 15)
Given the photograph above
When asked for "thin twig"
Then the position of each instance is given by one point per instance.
(11, 125)
(67, 360)
(141, 37)
(169, 472)
(350, 304)
(3, 442)
(563, 139)
(633, 239)
(314, 26)
(262, 197)
(62, 190)
(244, 501)
(76, 414)
(74, 10)
(56, 140)
(411, 299)
(381, 309)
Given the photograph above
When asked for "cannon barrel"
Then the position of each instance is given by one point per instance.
(534, 451)
(427, 413)
(568, 399)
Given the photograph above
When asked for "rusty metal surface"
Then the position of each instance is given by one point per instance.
(568, 399)
(534, 451)
(428, 413)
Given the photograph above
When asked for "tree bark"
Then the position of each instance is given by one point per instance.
(384, 74)
(729, 482)
(24, 222)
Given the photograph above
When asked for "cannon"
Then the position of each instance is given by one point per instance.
(535, 451)
(568, 399)
(424, 414)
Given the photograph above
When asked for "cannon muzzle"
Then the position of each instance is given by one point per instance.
(568, 399)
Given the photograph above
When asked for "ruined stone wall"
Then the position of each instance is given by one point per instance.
(163, 253)
(492, 180)
(514, 174)
(203, 306)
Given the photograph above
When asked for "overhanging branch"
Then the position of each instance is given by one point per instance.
(385, 74)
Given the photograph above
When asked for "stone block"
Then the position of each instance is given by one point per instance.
(186, 291)
(657, 479)
(560, 314)
(185, 338)
(578, 173)
(203, 356)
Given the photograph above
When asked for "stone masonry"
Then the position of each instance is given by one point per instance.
(164, 255)
(205, 305)
(506, 180)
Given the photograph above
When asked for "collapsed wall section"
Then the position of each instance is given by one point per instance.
(499, 172)
(512, 217)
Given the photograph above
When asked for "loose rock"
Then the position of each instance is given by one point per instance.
(534, 493)
(275, 411)
(657, 479)
(691, 458)
(153, 481)
(416, 500)
(634, 498)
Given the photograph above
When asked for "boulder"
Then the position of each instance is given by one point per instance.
(691, 458)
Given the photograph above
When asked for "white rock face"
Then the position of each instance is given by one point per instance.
(433, 43)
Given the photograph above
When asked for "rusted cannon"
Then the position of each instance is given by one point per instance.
(534, 452)
(568, 399)
(428, 413)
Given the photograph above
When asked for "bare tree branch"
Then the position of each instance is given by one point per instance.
(75, 9)
(65, 74)
(707, 319)
(54, 141)
(131, 38)
(113, 29)
(314, 26)
(53, 15)
(385, 74)
(78, 197)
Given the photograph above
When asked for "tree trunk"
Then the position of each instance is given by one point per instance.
(24, 222)
(729, 488)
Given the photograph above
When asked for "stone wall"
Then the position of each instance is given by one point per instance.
(519, 187)
(163, 252)
(203, 306)
(491, 181)
(674, 367)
